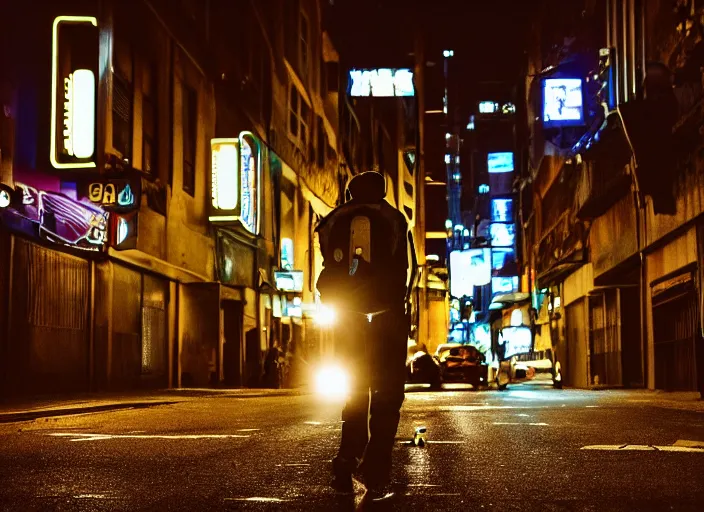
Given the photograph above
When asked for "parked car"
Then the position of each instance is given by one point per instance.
(462, 363)
(422, 368)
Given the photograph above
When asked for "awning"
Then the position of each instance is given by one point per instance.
(557, 273)
(507, 300)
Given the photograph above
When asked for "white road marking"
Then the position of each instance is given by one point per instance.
(94, 496)
(261, 499)
(295, 465)
(102, 437)
(462, 408)
(423, 485)
(521, 423)
(248, 430)
(643, 448)
(591, 406)
(312, 423)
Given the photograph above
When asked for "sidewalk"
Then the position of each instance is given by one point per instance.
(32, 408)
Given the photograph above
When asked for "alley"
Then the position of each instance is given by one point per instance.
(529, 448)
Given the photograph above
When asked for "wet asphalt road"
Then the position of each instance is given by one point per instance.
(489, 450)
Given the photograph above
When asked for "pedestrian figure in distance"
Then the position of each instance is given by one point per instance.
(366, 248)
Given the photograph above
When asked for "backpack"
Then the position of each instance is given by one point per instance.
(364, 256)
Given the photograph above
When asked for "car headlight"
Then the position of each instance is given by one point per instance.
(332, 382)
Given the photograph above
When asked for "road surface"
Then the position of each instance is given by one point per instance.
(528, 448)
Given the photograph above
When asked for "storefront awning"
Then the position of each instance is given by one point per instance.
(557, 273)
(507, 300)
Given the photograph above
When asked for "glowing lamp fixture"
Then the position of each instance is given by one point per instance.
(225, 173)
(5, 196)
(325, 316)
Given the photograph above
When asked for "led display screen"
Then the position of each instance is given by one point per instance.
(289, 281)
(502, 235)
(502, 210)
(381, 82)
(563, 102)
(504, 284)
(515, 341)
(500, 162)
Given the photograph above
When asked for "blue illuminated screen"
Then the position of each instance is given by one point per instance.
(502, 210)
(563, 103)
(502, 235)
(500, 162)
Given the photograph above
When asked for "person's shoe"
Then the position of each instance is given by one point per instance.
(378, 494)
(342, 483)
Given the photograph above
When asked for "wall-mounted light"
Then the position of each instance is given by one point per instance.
(5, 196)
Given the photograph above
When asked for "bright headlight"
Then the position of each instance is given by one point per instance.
(325, 316)
(332, 382)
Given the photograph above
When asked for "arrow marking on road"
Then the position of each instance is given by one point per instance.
(103, 437)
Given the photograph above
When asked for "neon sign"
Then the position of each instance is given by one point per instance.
(224, 172)
(74, 61)
(114, 195)
(236, 169)
(381, 82)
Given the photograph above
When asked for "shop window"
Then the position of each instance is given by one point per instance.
(189, 125)
(150, 150)
(122, 97)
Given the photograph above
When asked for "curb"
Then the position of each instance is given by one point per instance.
(15, 417)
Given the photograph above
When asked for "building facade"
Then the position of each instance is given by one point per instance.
(614, 218)
(162, 178)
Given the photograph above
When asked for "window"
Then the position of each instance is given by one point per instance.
(322, 143)
(299, 113)
(149, 119)
(122, 98)
(332, 73)
(303, 43)
(189, 124)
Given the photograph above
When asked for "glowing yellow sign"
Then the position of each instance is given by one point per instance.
(225, 173)
(78, 118)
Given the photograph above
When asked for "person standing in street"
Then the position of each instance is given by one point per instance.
(366, 250)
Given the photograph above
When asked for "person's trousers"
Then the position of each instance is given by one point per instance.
(375, 352)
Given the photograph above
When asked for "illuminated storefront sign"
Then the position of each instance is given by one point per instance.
(73, 92)
(501, 210)
(287, 254)
(115, 194)
(124, 229)
(236, 172)
(249, 177)
(289, 281)
(225, 170)
(381, 82)
(64, 218)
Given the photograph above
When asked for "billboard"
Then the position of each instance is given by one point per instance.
(468, 269)
(500, 162)
(381, 82)
(563, 102)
